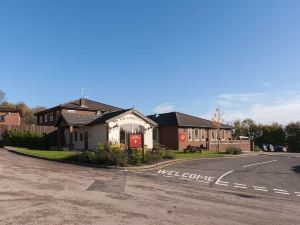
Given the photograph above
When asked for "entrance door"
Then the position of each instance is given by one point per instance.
(86, 140)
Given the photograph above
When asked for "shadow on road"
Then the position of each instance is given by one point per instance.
(296, 169)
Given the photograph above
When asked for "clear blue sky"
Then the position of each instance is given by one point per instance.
(158, 55)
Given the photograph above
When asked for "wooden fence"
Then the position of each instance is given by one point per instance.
(33, 128)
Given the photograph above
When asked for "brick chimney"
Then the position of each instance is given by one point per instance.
(82, 102)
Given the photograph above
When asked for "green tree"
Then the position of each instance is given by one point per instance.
(293, 136)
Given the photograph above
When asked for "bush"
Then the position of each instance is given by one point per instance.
(152, 157)
(28, 139)
(167, 154)
(134, 156)
(233, 150)
(293, 137)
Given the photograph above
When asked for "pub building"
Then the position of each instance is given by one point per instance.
(83, 124)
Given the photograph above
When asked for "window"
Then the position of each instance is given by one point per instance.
(190, 134)
(71, 111)
(155, 134)
(51, 117)
(202, 134)
(81, 137)
(2, 118)
(223, 134)
(75, 136)
(46, 118)
(41, 119)
(213, 135)
(196, 134)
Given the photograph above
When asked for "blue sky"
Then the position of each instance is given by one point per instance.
(156, 55)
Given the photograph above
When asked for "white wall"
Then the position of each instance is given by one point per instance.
(98, 133)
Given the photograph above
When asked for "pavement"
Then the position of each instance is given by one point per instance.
(35, 191)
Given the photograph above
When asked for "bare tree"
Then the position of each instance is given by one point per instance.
(217, 120)
(2, 96)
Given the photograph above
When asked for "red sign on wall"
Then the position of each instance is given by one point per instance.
(182, 137)
(135, 140)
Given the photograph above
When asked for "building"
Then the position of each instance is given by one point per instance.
(10, 116)
(178, 130)
(82, 124)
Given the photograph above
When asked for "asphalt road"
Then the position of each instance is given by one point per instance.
(34, 191)
(276, 175)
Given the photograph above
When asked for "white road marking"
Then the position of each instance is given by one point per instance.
(242, 187)
(169, 176)
(283, 193)
(297, 193)
(280, 190)
(184, 179)
(254, 164)
(219, 182)
(201, 181)
(138, 172)
(258, 189)
(240, 184)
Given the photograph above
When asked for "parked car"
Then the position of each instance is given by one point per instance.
(263, 147)
(270, 148)
(279, 148)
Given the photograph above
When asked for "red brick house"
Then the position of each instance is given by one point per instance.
(10, 116)
(178, 130)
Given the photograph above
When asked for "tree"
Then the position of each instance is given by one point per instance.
(2, 96)
(217, 120)
(293, 136)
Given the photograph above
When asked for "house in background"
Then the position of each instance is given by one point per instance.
(10, 116)
(178, 130)
(82, 124)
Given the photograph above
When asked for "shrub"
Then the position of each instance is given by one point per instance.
(152, 157)
(30, 139)
(167, 154)
(293, 137)
(233, 150)
(134, 156)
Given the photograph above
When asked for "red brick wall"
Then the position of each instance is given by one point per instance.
(12, 118)
(184, 144)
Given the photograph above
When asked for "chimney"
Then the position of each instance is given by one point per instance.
(82, 102)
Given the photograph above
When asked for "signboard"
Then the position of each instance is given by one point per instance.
(182, 137)
(135, 140)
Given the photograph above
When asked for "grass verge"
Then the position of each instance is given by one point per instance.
(204, 154)
(54, 155)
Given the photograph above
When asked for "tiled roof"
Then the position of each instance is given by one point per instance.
(78, 119)
(89, 104)
(183, 120)
(9, 110)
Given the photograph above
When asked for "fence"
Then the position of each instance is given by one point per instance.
(32, 128)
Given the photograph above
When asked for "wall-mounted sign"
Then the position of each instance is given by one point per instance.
(182, 137)
(135, 140)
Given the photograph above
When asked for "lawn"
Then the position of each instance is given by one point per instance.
(204, 154)
(56, 155)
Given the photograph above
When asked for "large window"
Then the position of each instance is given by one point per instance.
(203, 134)
(51, 116)
(41, 119)
(155, 134)
(46, 118)
(223, 134)
(197, 136)
(213, 134)
(190, 134)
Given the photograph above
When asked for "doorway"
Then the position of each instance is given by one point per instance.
(86, 140)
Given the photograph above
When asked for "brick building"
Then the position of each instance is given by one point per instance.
(10, 116)
(82, 124)
(178, 130)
